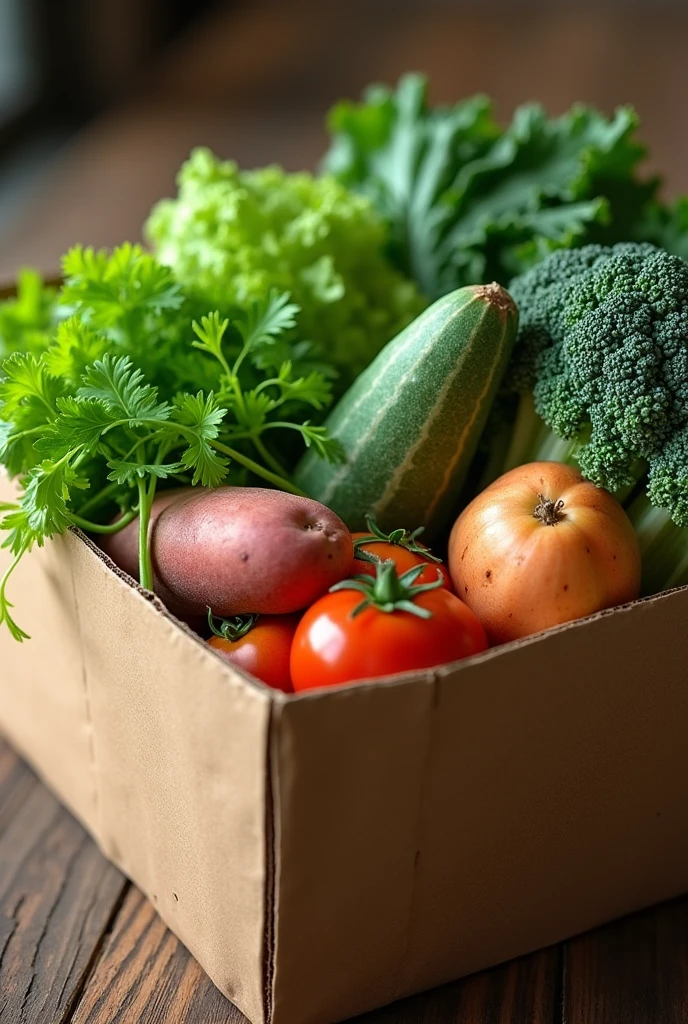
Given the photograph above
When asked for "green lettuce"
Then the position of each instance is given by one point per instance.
(232, 236)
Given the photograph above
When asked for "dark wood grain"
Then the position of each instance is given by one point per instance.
(525, 991)
(634, 971)
(57, 896)
(16, 783)
(145, 975)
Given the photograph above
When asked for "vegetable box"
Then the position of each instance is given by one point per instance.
(328, 853)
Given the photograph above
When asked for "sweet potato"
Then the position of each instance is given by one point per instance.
(243, 549)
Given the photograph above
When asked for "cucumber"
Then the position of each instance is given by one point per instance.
(410, 424)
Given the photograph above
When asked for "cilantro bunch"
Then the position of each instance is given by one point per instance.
(117, 384)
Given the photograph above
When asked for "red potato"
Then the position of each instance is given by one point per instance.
(246, 549)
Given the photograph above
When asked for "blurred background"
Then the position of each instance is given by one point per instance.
(101, 100)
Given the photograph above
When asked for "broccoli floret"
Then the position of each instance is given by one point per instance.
(602, 360)
(667, 481)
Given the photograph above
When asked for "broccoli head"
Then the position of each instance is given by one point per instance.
(603, 346)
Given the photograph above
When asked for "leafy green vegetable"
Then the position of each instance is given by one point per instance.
(25, 321)
(667, 226)
(467, 201)
(232, 236)
(100, 397)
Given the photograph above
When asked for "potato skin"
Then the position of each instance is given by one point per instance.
(248, 549)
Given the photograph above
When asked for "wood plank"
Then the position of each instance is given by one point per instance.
(57, 897)
(633, 971)
(146, 975)
(16, 783)
(524, 991)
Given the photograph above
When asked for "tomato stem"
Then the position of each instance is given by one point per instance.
(231, 629)
(549, 512)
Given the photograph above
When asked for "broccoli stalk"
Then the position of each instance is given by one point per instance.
(533, 441)
(663, 546)
(599, 380)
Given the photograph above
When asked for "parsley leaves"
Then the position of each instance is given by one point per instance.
(118, 384)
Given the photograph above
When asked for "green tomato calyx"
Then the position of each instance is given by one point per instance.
(231, 629)
(388, 591)
(400, 538)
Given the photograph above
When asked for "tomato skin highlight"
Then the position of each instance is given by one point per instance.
(264, 651)
(402, 558)
(331, 647)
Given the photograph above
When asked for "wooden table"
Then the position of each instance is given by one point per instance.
(254, 84)
(80, 945)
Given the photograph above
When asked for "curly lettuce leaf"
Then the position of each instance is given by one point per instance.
(231, 237)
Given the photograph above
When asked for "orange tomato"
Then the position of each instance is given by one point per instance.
(539, 547)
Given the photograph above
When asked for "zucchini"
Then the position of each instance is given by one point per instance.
(410, 424)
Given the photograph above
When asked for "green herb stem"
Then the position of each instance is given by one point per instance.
(29, 432)
(283, 425)
(146, 495)
(267, 455)
(108, 528)
(5, 605)
(100, 497)
(254, 467)
(240, 358)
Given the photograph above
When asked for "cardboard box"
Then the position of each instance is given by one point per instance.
(325, 854)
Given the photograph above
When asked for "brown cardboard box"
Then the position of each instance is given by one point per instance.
(324, 854)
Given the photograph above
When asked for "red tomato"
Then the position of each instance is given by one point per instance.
(404, 559)
(263, 651)
(331, 647)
